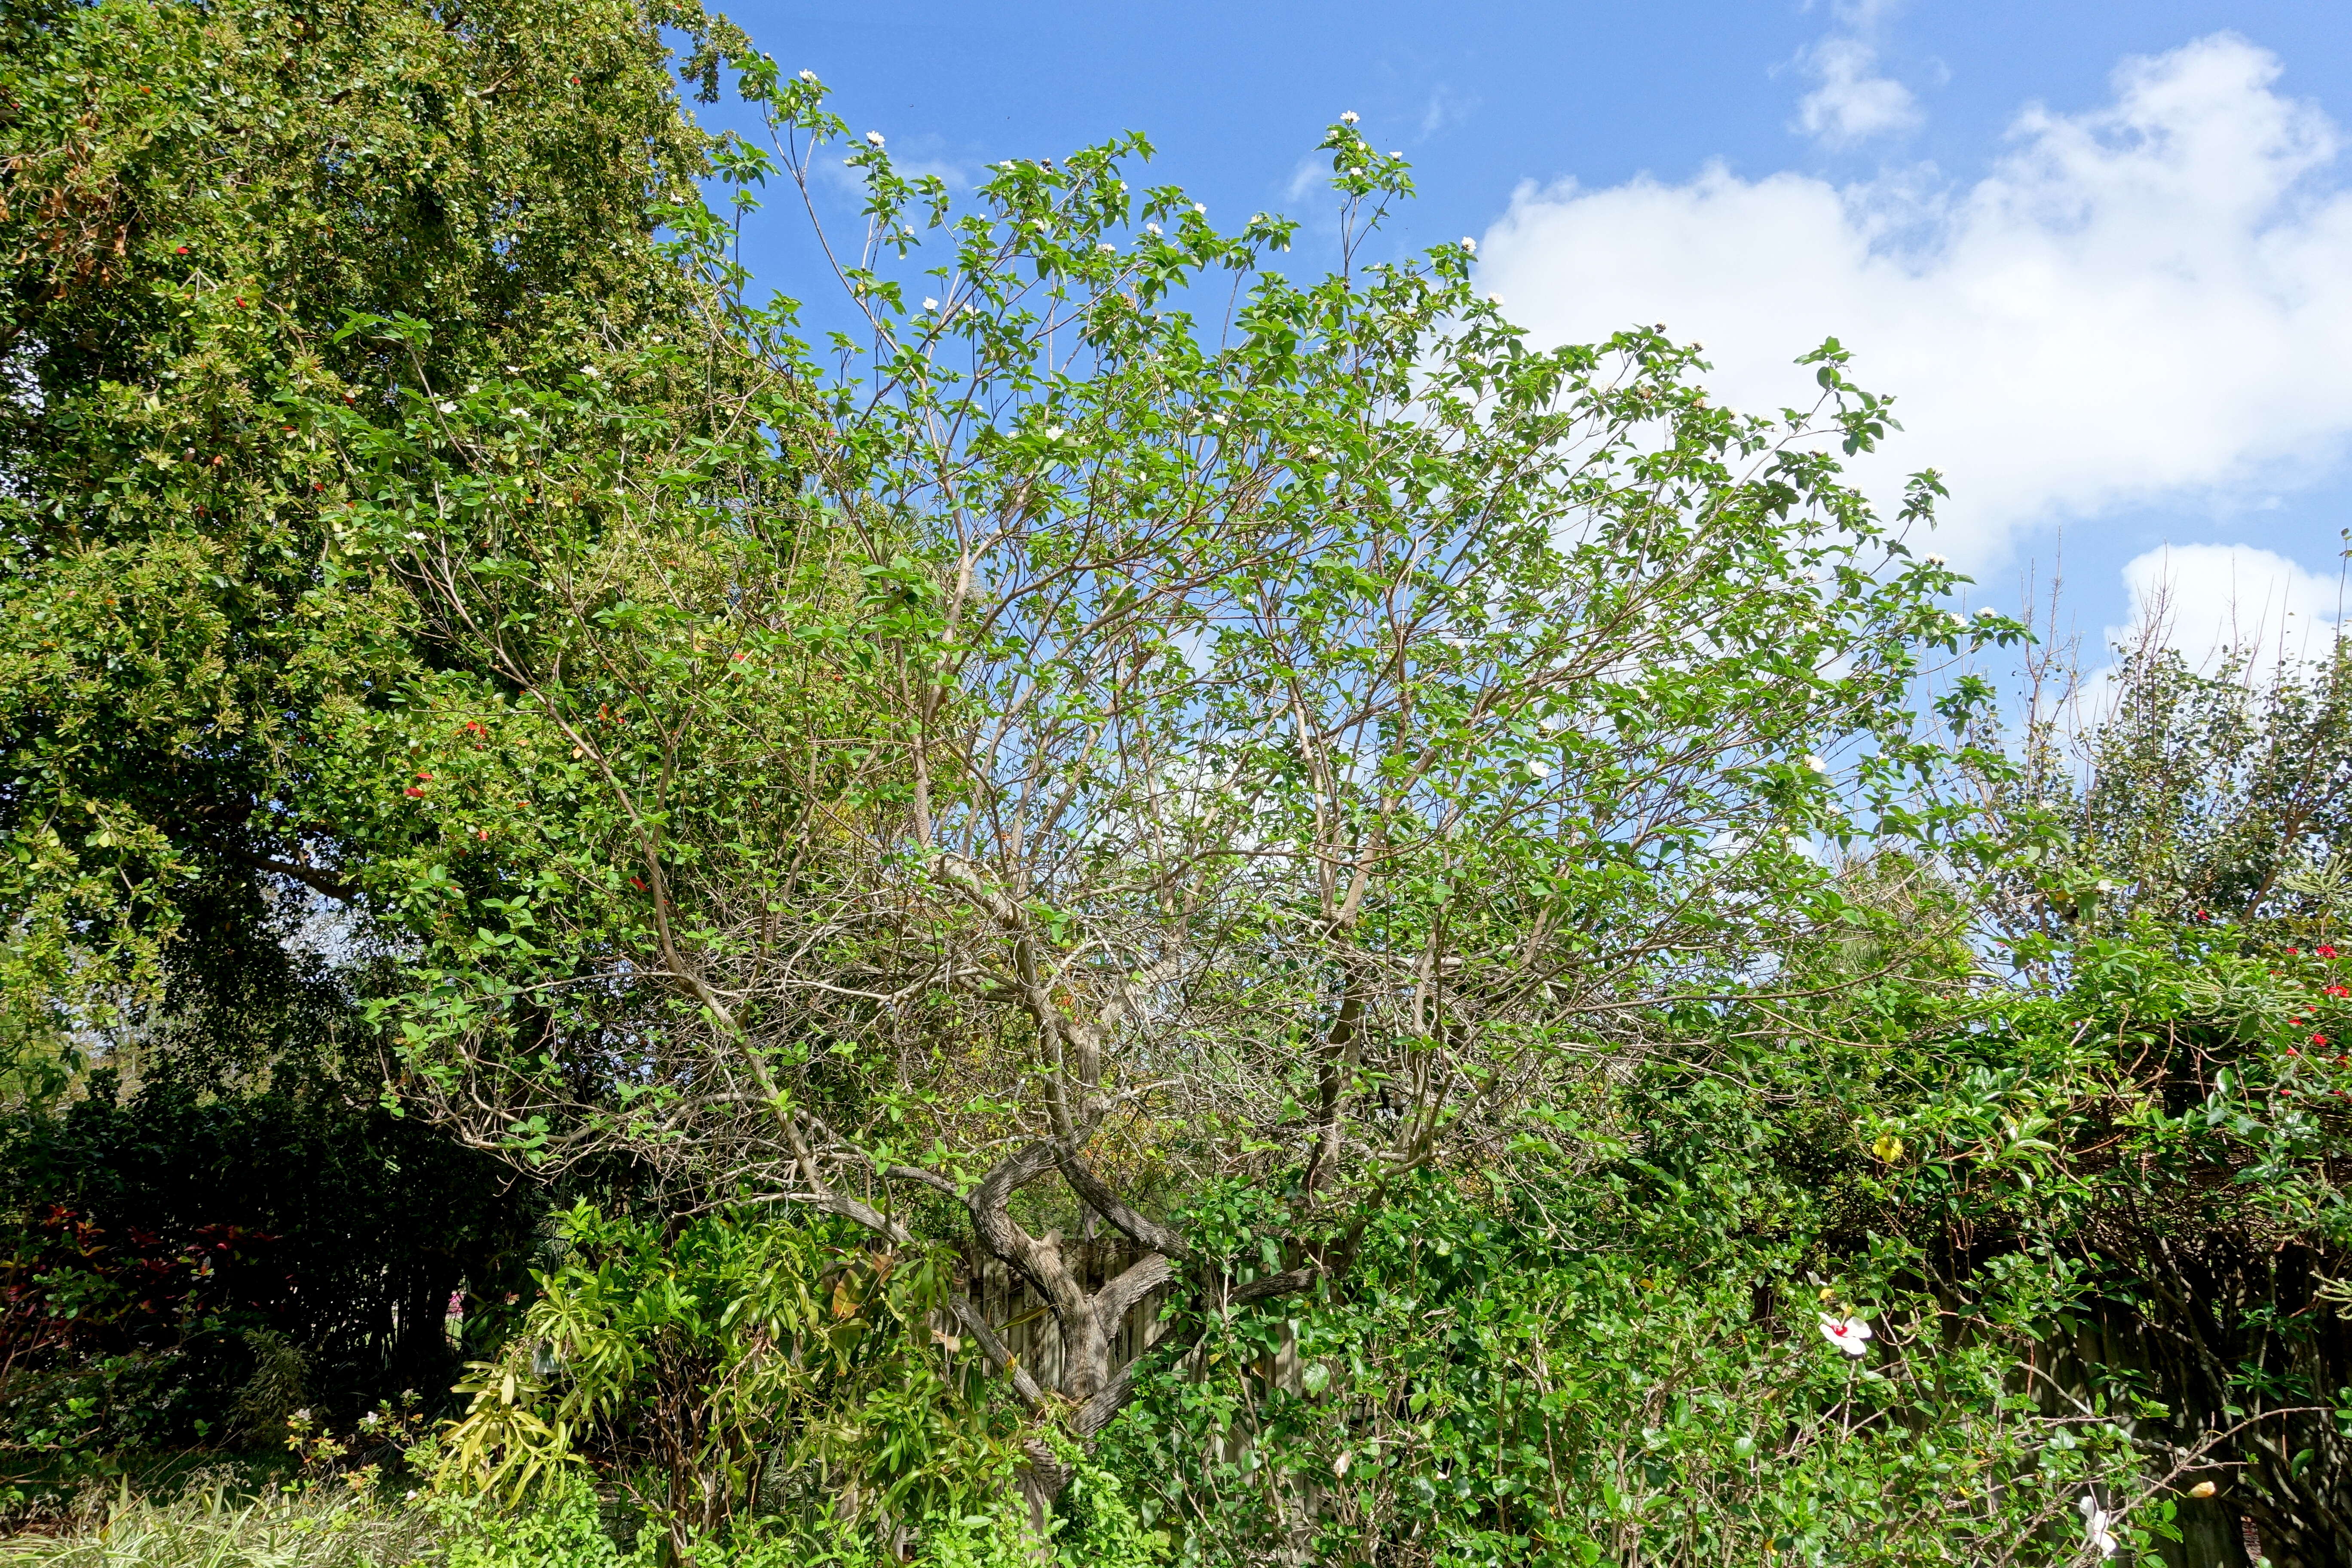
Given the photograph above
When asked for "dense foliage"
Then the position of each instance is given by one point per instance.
(1454, 925)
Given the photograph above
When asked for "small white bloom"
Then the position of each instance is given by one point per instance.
(1152, 229)
(1107, 249)
(1849, 1334)
(590, 370)
(1935, 560)
(1348, 118)
(1052, 432)
(808, 77)
(2096, 1523)
(1494, 298)
(1200, 206)
(1815, 764)
(1986, 612)
(2102, 885)
(1469, 244)
(929, 303)
(517, 412)
(1541, 769)
(448, 407)
(874, 138)
(1314, 454)
(1956, 617)
(409, 1496)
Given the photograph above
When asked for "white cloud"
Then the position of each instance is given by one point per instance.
(1851, 104)
(2204, 598)
(2145, 302)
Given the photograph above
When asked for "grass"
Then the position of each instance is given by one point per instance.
(212, 1525)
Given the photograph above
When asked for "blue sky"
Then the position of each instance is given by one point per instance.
(2102, 252)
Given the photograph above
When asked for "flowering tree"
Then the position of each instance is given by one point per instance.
(1125, 719)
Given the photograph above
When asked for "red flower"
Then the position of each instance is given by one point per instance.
(414, 793)
(2316, 1039)
(2292, 950)
(637, 885)
(2325, 951)
(2336, 989)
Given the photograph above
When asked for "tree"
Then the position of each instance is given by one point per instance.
(2176, 1018)
(1295, 743)
(197, 197)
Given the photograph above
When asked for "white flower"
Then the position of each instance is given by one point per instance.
(1935, 560)
(1348, 118)
(409, 1496)
(874, 137)
(1469, 244)
(1956, 619)
(1815, 764)
(1314, 454)
(1494, 298)
(1052, 432)
(590, 370)
(1986, 610)
(1200, 206)
(2104, 886)
(1541, 769)
(1847, 1333)
(448, 409)
(1152, 229)
(2095, 1520)
(809, 76)
(1107, 249)
(929, 303)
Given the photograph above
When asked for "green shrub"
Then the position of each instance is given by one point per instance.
(737, 1380)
